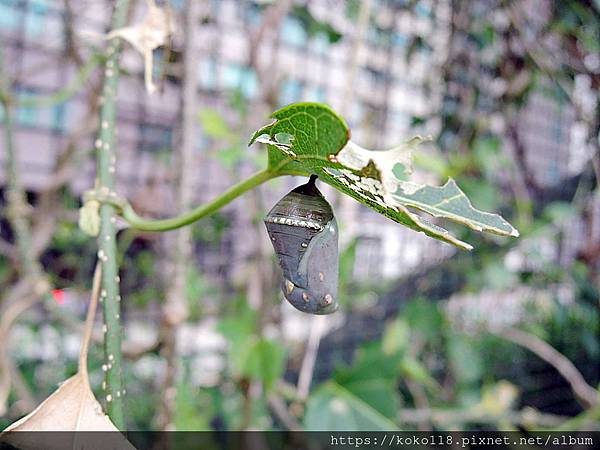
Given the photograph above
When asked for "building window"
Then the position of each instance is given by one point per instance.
(293, 33)
(253, 14)
(10, 15)
(291, 91)
(422, 10)
(320, 44)
(27, 117)
(208, 74)
(49, 117)
(155, 138)
(34, 20)
(240, 77)
(399, 39)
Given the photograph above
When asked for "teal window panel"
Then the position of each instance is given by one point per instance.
(10, 15)
(59, 115)
(422, 10)
(208, 74)
(316, 94)
(177, 5)
(320, 44)
(254, 14)
(239, 77)
(27, 117)
(34, 21)
(293, 33)
(249, 82)
(291, 91)
(232, 76)
(399, 39)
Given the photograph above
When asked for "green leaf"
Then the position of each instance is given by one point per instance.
(310, 138)
(264, 361)
(240, 332)
(193, 408)
(413, 369)
(213, 124)
(333, 408)
(466, 362)
(373, 379)
(395, 337)
(425, 318)
(451, 203)
(317, 132)
(313, 26)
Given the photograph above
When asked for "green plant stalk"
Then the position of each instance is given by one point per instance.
(203, 210)
(107, 246)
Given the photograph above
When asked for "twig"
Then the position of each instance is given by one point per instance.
(33, 285)
(61, 96)
(18, 207)
(175, 308)
(582, 421)
(280, 409)
(310, 356)
(9, 315)
(107, 253)
(45, 214)
(441, 417)
(26, 400)
(535, 51)
(585, 394)
(265, 72)
(89, 322)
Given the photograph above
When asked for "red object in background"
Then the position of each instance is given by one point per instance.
(59, 296)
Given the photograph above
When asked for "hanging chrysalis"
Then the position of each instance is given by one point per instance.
(304, 232)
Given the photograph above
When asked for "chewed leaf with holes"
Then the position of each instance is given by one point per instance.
(302, 137)
(310, 138)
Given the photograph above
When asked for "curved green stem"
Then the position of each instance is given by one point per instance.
(198, 213)
(67, 92)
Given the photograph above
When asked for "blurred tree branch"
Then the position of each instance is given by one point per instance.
(33, 285)
(586, 395)
(528, 418)
(179, 254)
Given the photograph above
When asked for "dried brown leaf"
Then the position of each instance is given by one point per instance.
(71, 408)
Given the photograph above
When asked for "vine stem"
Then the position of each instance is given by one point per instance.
(89, 322)
(203, 210)
(107, 252)
(61, 96)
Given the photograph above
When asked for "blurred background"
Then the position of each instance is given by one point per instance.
(427, 336)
